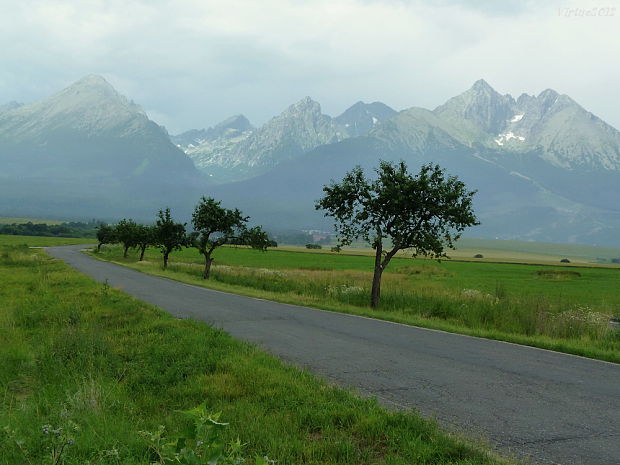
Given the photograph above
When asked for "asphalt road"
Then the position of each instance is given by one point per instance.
(548, 407)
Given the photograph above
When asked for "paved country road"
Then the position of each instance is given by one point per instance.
(549, 407)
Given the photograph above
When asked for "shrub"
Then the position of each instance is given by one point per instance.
(314, 246)
(565, 260)
(478, 255)
(557, 274)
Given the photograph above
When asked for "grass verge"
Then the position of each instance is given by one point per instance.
(524, 304)
(104, 366)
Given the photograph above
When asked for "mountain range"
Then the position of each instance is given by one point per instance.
(234, 150)
(544, 167)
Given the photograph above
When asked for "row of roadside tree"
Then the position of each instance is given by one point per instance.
(212, 227)
(393, 211)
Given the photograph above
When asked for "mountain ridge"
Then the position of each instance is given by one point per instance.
(301, 127)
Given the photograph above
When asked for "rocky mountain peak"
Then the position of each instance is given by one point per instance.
(547, 98)
(481, 106)
(92, 87)
(362, 117)
(482, 86)
(305, 105)
(90, 105)
(237, 122)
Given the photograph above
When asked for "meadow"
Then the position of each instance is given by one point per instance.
(43, 241)
(102, 376)
(564, 308)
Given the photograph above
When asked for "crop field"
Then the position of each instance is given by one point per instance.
(565, 308)
(90, 375)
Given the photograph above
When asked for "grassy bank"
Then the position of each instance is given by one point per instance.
(558, 308)
(83, 357)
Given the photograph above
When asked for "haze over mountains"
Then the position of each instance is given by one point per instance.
(544, 167)
(89, 152)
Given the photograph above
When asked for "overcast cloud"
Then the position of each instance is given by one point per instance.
(192, 63)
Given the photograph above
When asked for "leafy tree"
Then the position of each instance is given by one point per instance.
(145, 237)
(106, 234)
(215, 226)
(168, 235)
(71, 229)
(126, 234)
(424, 212)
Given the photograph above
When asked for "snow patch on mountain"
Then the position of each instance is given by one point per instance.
(502, 138)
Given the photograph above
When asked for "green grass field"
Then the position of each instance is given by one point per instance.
(504, 251)
(564, 308)
(534, 251)
(102, 366)
(42, 241)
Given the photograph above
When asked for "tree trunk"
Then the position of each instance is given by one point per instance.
(166, 260)
(376, 288)
(142, 250)
(207, 271)
(99, 247)
(376, 279)
(125, 253)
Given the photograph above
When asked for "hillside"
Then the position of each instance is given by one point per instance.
(88, 151)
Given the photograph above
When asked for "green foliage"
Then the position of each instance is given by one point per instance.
(106, 234)
(424, 213)
(168, 235)
(69, 229)
(55, 442)
(215, 226)
(201, 443)
(125, 232)
(314, 246)
(145, 236)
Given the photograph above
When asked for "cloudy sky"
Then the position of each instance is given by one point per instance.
(191, 63)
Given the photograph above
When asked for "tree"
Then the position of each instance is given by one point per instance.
(106, 234)
(125, 231)
(424, 212)
(168, 235)
(145, 237)
(215, 226)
